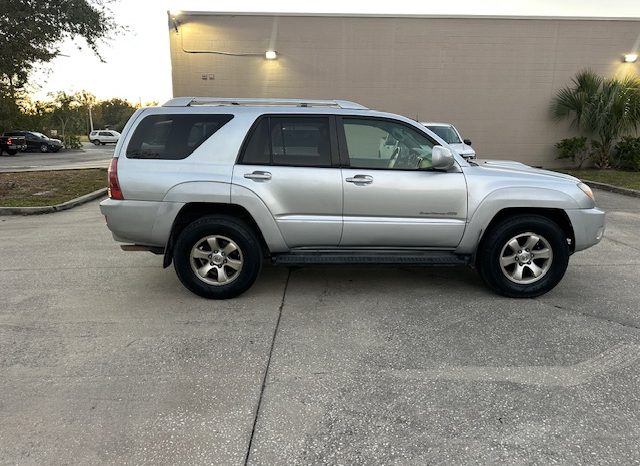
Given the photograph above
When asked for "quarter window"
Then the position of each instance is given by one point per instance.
(385, 144)
(291, 141)
(173, 137)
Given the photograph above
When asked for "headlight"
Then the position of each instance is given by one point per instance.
(587, 190)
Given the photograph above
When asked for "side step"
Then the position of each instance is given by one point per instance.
(418, 258)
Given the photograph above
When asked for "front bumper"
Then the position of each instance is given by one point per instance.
(588, 226)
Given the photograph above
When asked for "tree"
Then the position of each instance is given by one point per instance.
(66, 114)
(113, 113)
(604, 109)
(31, 32)
(9, 110)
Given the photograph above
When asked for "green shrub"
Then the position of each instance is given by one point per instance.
(628, 153)
(576, 149)
(71, 141)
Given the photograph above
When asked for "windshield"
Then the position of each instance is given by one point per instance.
(447, 133)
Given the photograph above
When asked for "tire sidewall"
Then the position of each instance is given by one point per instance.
(44, 148)
(491, 249)
(240, 233)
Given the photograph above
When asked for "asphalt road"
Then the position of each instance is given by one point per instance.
(90, 156)
(105, 358)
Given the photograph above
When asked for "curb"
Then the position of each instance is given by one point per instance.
(613, 189)
(54, 208)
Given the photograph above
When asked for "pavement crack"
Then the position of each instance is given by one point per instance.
(622, 243)
(594, 316)
(612, 321)
(266, 371)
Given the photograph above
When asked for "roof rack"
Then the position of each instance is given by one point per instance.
(220, 101)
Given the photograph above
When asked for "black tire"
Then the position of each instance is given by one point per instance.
(12, 151)
(249, 249)
(44, 148)
(491, 249)
(96, 142)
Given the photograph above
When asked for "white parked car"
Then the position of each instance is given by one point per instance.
(451, 136)
(104, 136)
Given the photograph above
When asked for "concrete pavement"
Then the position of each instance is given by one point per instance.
(105, 358)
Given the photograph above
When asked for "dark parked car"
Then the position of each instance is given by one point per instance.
(38, 141)
(12, 144)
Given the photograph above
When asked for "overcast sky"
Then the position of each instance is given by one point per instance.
(137, 65)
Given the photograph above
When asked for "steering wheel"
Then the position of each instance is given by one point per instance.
(394, 157)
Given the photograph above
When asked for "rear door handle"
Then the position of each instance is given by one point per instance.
(258, 176)
(360, 179)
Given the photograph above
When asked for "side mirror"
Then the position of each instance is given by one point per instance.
(467, 142)
(441, 158)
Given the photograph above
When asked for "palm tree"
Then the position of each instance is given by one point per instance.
(603, 108)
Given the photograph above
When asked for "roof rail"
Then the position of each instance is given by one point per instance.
(221, 101)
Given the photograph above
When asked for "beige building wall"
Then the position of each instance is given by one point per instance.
(493, 78)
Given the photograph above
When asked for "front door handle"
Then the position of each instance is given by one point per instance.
(360, 179)
(258, 176)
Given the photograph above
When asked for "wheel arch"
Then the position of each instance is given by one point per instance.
(558, 216)
(195, 210)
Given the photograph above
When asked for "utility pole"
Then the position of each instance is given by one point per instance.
(90, 118)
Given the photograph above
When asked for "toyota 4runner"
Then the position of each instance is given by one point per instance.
(219, 185)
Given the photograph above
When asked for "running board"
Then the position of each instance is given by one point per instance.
(418, 258)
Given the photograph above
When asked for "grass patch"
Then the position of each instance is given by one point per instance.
(623, 179)
(37, 189)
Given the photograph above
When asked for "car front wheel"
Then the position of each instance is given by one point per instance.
(217, 257)
(523, 256)
(44, 147)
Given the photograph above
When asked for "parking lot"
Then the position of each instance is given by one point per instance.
(106, 358)
(90, 156)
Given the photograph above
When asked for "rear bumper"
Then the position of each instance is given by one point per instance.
(588, 226)
(147, 223)
(15, 147)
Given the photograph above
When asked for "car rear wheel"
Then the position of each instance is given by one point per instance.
(44, 147)
(523, 256)
(96, 142)
(12, 152)
(217, 257)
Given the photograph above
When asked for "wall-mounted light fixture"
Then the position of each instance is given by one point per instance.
(173, 22)
(630, 57)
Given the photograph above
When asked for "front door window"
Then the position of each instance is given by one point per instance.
(383, 144)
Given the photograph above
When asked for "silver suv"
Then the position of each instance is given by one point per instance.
(219, 185)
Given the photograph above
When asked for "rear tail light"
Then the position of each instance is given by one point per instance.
(9, 141)
(114, 190)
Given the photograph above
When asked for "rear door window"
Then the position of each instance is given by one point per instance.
(291, 141)
(173, 137)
